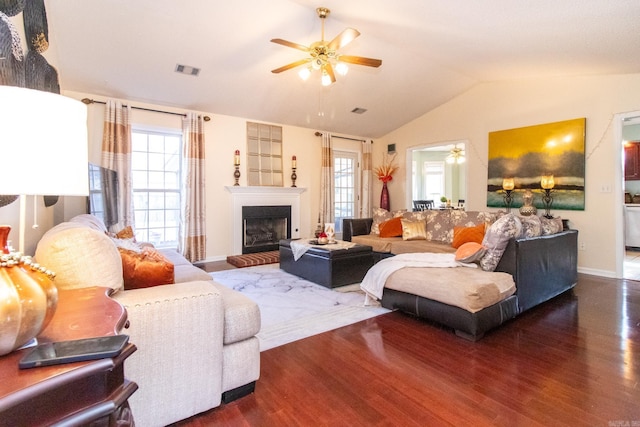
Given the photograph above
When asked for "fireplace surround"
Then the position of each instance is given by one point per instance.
(262, 196)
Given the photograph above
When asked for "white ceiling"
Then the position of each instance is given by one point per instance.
(432, 51)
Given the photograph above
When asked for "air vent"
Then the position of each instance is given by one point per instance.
(185, 69)
(359, 110)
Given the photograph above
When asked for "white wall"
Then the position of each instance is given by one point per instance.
(507, 105)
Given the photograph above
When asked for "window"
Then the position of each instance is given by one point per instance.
(345, 165)
(264, 155)
(433, 173)
(155, 168)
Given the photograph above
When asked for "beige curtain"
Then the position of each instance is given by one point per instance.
(116, 155)
(327, 179)
(366, 180)
(193, 230)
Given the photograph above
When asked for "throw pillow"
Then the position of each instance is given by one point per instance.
(381, 215)
(391, 228)
(414, 230)
(470, 252)
(551, 225)
(531, 226)
(463, 235)
(496, 239)
(126, 233)
(145, 269)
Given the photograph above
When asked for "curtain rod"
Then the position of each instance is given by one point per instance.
(342, 137)
(92, 101)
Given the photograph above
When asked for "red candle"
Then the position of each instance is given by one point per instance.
(293, 162)
(236, 159)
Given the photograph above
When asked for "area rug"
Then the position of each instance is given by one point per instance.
(250, 260)
(292, 308)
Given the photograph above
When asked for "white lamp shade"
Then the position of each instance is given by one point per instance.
(44, 143)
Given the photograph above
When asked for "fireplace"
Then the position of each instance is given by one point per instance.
(264, 226)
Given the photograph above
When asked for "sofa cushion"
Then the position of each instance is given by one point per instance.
(145, 268)
(391, 228)
(463, 234)
(531, 226)
(439, 226)
(414, 230)
(80, 256)
(496, 239)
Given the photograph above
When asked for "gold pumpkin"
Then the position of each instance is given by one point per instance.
(28, 297)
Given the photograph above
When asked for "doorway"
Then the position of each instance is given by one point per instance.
(630, 131)
(436, 170)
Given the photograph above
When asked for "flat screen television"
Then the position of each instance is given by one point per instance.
(103, 194)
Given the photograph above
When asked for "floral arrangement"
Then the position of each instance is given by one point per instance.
(385, 172)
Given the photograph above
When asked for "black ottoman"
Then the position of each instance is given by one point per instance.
(327, 266)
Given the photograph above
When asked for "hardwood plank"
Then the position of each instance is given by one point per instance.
(574, 360)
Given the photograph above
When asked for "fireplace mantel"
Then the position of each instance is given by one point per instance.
(262, 196)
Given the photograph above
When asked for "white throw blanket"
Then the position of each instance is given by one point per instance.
(375, 279)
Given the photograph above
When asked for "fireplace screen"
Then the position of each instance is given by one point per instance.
(264, 226)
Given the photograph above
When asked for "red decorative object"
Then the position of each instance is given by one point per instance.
(384, 197)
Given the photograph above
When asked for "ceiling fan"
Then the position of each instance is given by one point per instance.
(324, 55)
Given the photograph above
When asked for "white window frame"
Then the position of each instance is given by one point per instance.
(343, 192)
(165, 232)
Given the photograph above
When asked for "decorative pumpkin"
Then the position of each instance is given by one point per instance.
(28, 297)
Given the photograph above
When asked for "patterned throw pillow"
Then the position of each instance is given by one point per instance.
(414, 230)
(531, 226)
(496, 239)
(381, 215)
(551, 225)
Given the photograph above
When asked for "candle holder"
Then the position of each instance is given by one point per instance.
(547, 200)
(293, 177)
(236, 175)
(508, 199)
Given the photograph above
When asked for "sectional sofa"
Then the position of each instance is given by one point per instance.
(540, 257)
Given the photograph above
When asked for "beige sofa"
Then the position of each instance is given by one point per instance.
(195, 338)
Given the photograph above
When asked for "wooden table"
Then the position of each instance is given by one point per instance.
(75, 393)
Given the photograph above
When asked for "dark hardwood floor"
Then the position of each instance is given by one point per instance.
(573, 361)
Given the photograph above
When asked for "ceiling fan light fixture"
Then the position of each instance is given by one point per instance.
(304, 73)
(326, 80)
(342, 68)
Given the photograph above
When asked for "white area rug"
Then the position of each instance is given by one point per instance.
(292, 308)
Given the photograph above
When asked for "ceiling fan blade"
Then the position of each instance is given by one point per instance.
(360, 60)
(292, 65)
(344, 38)
(290, 44)
(329, 69)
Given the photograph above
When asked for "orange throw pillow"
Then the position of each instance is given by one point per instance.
(145, 269)
(391, 228)
(467, 234)
(470, 252)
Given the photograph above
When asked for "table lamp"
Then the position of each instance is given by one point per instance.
(44, 146)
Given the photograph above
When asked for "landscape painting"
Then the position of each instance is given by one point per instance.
(526, 154)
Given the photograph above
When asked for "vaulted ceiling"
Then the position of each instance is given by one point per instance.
(431, 51)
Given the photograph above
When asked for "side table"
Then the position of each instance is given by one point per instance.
(93, 392)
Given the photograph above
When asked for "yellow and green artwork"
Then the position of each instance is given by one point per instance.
(527, 154)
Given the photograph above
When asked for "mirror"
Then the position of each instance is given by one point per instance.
(437, 171)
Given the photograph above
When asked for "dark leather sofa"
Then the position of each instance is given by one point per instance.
(542, 268)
